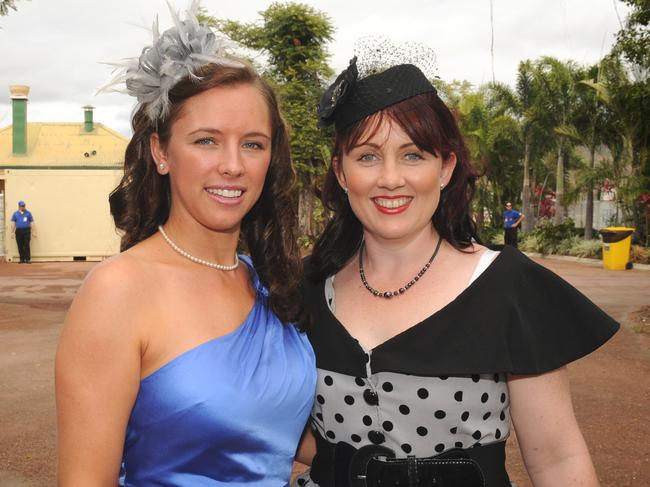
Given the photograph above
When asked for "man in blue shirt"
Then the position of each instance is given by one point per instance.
(22, 226)
(511, 221)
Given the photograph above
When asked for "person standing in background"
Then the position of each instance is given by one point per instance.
(511, 221)
(22, 227)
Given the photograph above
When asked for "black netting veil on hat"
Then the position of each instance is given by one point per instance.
(380, 91)
(389, 74)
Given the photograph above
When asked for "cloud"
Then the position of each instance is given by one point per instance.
(57, 47)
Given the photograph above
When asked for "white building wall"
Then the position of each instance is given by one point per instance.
(70, 209)
(577, 213)
(604, 213)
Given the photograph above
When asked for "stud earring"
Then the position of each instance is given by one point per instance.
(162, 166)
(345, 190)
(442, 186)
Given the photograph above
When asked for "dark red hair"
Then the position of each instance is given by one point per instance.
(432, 127)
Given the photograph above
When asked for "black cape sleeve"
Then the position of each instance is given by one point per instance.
(516, 317)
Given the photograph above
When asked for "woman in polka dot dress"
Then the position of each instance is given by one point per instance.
(430, 347)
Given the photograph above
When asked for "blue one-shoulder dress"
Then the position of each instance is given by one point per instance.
(227, 412)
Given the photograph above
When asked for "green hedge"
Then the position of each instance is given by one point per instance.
(562, 239)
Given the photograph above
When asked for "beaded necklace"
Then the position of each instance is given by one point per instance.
(405, 287)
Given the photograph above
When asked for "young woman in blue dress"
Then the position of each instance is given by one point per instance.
(180, 363)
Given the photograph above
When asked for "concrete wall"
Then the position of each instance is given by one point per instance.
(604, 213)
(70, 209)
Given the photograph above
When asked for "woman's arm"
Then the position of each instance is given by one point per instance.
(97, 378)
(550, 440)
(307, 447)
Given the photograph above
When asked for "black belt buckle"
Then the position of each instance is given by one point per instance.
(449, 472)
(361, 458)
(373, 464)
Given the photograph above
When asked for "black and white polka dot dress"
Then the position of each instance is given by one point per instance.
(411, 414)
(442, 383)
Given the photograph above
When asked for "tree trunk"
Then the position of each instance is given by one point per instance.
(534, 204)
(559, 187)
(480, 211)
(589, 214)
(589, 210)
(527, 209)
(305, 211)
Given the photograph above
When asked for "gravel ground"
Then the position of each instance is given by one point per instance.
(611, 388)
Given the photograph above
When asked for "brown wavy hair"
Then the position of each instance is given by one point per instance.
(432, 127)
(141, 201)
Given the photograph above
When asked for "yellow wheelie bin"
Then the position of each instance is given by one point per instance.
(616, 247)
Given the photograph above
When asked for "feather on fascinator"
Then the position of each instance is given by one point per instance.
(174, 55)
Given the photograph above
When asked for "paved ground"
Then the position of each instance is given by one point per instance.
(611, 388)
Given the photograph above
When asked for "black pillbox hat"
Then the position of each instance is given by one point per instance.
(361, 98)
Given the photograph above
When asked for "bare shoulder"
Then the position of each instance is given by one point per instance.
(112, 295)
(468, 256)
(477, 249)
(114, 280)
(125, 276)
(459, 265)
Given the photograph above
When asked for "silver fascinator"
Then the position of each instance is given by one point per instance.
(174, 55)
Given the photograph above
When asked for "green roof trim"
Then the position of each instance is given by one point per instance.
(19, 139)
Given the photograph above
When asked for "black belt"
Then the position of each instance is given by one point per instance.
(342, 465)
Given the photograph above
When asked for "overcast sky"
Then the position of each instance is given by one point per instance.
(57, 47)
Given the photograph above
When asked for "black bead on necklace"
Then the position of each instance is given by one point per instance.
(401, 290)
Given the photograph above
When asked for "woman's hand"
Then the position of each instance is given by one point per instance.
(550, 440)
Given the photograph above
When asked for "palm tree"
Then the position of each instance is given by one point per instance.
(629, 101)
(591, 126)
(492, 136)
(527, 98)
(557, 96)
(521, 103)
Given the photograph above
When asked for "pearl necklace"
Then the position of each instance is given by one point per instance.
(405, 287)
(189, 256)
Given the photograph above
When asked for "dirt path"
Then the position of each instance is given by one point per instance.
(33, 302)
(611, 388)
